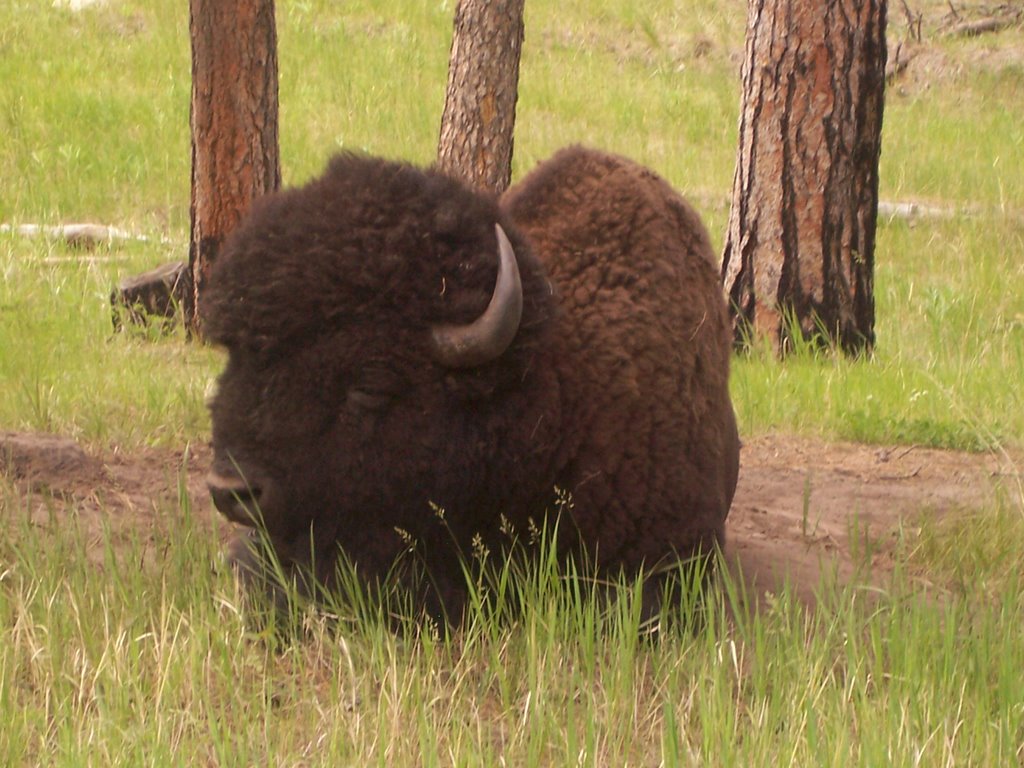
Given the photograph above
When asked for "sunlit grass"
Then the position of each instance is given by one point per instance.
(104, 136)
(950, 328)
(146, 655)
(63, 368)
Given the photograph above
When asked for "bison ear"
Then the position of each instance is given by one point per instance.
(487, 337)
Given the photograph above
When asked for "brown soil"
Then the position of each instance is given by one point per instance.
(803, 506)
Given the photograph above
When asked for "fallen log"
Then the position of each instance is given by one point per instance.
(153, 295)
(983, 26)
(82, 235)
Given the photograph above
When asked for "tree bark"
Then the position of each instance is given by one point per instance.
(800, 246)
(235, 154)
(480, 103)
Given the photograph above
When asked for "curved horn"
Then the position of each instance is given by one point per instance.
(487, 337)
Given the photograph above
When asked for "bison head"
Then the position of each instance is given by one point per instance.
(368, 320)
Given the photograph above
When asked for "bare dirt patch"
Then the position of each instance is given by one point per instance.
(54, 482)
(803, 507)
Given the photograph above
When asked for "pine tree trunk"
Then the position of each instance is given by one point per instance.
(235, 155)
(480, 103)
(800, 246)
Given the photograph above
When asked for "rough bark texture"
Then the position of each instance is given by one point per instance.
(235, 155)
(480, 103)
(800, 245)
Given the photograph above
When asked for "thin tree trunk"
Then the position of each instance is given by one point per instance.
(800, 246)
(235, 155)
(480, 103)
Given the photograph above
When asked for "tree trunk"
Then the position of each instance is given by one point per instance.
(480, 102)
(235, 155)
(800, 247)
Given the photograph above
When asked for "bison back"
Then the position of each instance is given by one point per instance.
(649, 449)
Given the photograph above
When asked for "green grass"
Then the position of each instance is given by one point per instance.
(117, 652)
(946, 371)
(145, 657)
(64, 370)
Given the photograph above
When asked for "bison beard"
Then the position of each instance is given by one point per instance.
(397, 343)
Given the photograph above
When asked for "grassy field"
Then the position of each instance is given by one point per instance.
(105, 662)
(156, 667)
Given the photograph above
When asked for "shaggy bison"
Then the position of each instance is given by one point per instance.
(397, 342)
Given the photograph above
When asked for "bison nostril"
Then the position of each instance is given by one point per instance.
(236, 499)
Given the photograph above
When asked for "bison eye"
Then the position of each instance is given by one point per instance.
(375, 388)
(360, 400)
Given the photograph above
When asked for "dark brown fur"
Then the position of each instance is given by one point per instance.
(615, 388)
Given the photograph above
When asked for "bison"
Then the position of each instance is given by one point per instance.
(399, 343)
